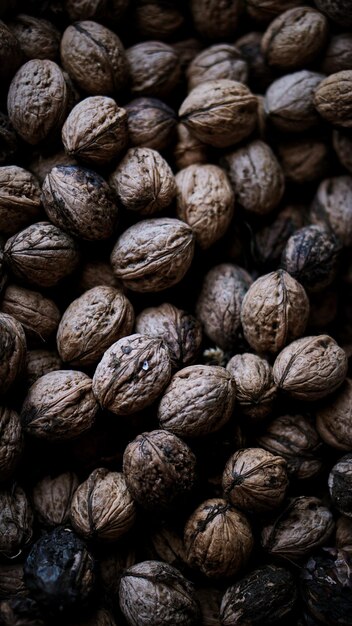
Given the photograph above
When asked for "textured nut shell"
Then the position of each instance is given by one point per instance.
(8, 140)
(340, 483)
(38, 315)
(11, 442)
(132, 374)
(266, 10)
(151, 123)
(188, 150)
(310, 368)
(205, 201)
(343, 536)
(334, 419)
(216, 21)
(40, 362)
(270, 240)
(304, 159)
(255, 388)
(289, 101)
(94, 274)
(153, 254)
(333, 98)
(143, 181)
(154, 68)
(168, 546)
(338, 54)
(342, 144)
(13, 350)
(16, 520)
(331, 207)
(199, 400)
(90, 9)
(11, 580)
(42, 254)
(51, 498)
(218, 61)
(10, 53)
(274, 311)
(92, 323)
(220, 112)
(19, 199)
(160, 470)
(59, 405)
(157, 20)
(37, 100)
(102, 507)
(41, 165)
(339, 12)
(38, 38)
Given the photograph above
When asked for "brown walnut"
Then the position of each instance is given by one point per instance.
(13, 350)
(38, 315)
(303, 159)
(260, 74)
(333, 99)
(338, 54)
(270, 240)
(52, 496)
(266, 10)
(188, 150)
(40, 362)
(334, 419)
(151, 123)
(38, 38)
(99, 9)
(338, 11)
(96, 273)
(218, 61)
(254, 383)
(11, 442)
(19, 199)
(157, 19)
(342, 144)
(42, 164)
(340, 485)
(154, 69)
(8, 140)
(11, 582)
(214, 20)
(10, 53)
(16, 521)
(330, 207)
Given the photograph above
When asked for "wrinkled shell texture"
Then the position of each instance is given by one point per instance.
(255, 388)
(334, 419)
(11, 442)
(188, 150)
(90, 9)
(289, 101)
(339, 12)
(218, 61)
(51, 498)
(331, 207)
(19, 199)
(151, 123)
(38, 315)
(304, 160)
(16, 520)
(40, 362)
(338, 55)
(342, 144)
(216, 20)
(13, 350)
(38, 38)
(339, 483)
(333, 98)
(154, 68)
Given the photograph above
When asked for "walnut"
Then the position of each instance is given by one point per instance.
(52, 496)
(260, 74)
(338, 11)
(270, 240)
(338, 54)
(310, 368)
(99, 9)
(256, 177)
(111, 565)
(8, 140)
(255, 388)
(274, 311)
(80, 202)
(219, 303)
(344, 533)
(188, 150)
(41, 164)
(13, 350)
(340, 485)
(38, 315)
(16, 521)
(209, 600)
(3, 271)
(331, 204)
(94, 57)
(332, 98)
(59, 406)
(166, 544)
(303, 160)
(10, 53)
(42, 254)
(11, 442)
(199, 400)
(334, 418)
(151, 123)
(157, 19)
(154, 68)
(38, 38)
(216, 21)
(37, 100)
(160, 470)
(187, 49)
(266, 10)
(40, 362)
(19, 199)
(153, 254)
(203, 538)
(218, 61)
(11, 581)
(220, 112)
(96, 130)
(102, 507)
(143, 181)
(342, 144)
(20, 611)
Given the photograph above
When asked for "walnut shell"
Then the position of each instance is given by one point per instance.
(167, 545)
(59, 406)
(342, 144)
(94, 57)
(303, 160)
(13, 350)
(16, 521)
(42, 254)
(205, 201)
(334, 419)
(11, 581)
(344, 533)
(154, 68)
(132, 374)
(270, 240)
(216, 21)
(155, 19)
(188, 150)
(187, 49)
(38, 315)
(153, 254)
(100, 9)
(41, 164)
(92, 323)
(80, 202)
(11, 442)
(10, 53)
(143, 181)
(8, 140)
(340, 483)
(260, 74)
(52, 496)
(40, 362)
(333, 100)
(219, 61)
(338, 54)
(151, 123)
(338, 11)
(255, 388)
(38, 38)
(310, 368)
(266, 10)
(94, 274)
(19, 199)
(220, 112)
(37, 100)
(331, 204)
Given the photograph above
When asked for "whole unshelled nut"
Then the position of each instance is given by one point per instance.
(289, 101)
(10, 53)
(13, 350)
(270, 240)
(260, 74)
(216, 21)
(16, 521)
(38, 38)
(40, 362)
(187, 49)
(333, 100)
(338, 54)
(38, 315)
(255, 388)
(331, 204)
(167, 545)
(342, 144)
(338, 11)
(100, 9)
(303, 160)
(11, 582)
(154, 68)
(52, 496)
(8, 140)
(340, 485)
(188, 150)
(19, 199)
(151, 123)
(334, 419)
(218, 61)
(157, 19)
(11, 443)
(266, 10)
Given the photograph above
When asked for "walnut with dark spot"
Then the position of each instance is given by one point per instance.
(289, 101)
(154, 69)
(11, 442)
(19, 199)
(255, 388)
(16, 521)
(218, 61)
(334, 419)
(13, 350)
(38, 315)
(331, 207)
(151, 123)
(340, 485)
(52, 496)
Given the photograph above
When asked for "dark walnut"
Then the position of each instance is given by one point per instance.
(209, 600)
(260, 74)
(255, 480)
(92, 323)
(3, 271)
(80, 202)
(39, 86)
(334, 419)
(338, 54)
(96, 273)
(102, 507)
(256, 177)
(219, 303)
(187, 49)
(38, 315)
(333, 99)
(143, 181)
(13, 350)
(153, 254)
(100, 617)
(112, 563)
(51, 497)
(160, 470)
(216, 21)
(95, 131)
(132, 374)
(266, 10)
(19, 199)
(310, 368)
(342, 144)
(41, 164)
(295, 38)
(220, 112)
(8, 140)
(42, 254)
(11, 441)
(270, 240)
(16, 611)
(59, 406)
(274, 311)
(289, 101)
(154, 68)
(99, 9)
(295, 439)
(265, 596)
(16, 521)
(199, 400)
(181, 332)
(155, 593)
(40, 362)
(38, 38)
(94, 58)
(188, 150)
(59, 572)
(204, 531)
(338, 11)
(304, 160)
(218, 61)
(330, 207)
(11, 581)
(303, 526)
(340, 485)
(166, 544)
(254, 383)
(157, 19)
(343, 535)
(151, 123)
(10, 53)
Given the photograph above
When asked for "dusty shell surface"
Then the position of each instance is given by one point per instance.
(37, 100)
(132, 374)
(40, 362)
(275, 311)
(38, 315)
(13, 350)
(204, 536)
(199, 400)
(255, 387)
(220, 112)
(52, 496)
(59, 405)
(92, 323)
(331, 207)
(143, 181)
(153, 254)
(19, 199)
(80, 202)
(205, 201)
(151, 123)
(333, 99)
(42, 254)
(218, 61)
(334, 419)
(16, 521)
(38, 38)
(11, 442)
(339, 483)
(154, 68)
